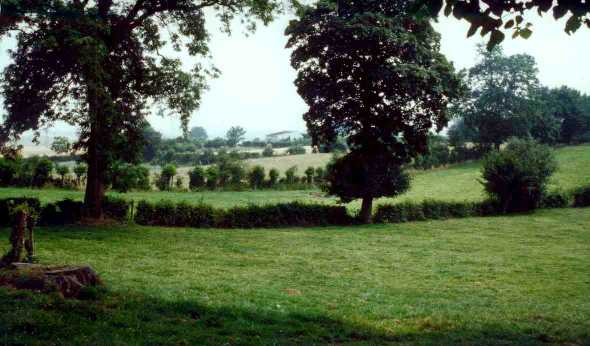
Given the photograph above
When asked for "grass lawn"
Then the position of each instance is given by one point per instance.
(503, 280)
(457, 183)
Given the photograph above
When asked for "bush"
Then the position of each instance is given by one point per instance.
(196, 178)
(273, 177)
(256, 177)
(80, 171)
(517, 176)
(556, 199)
(212, 177)
(42, 173)
(582, 197)
(126, 177)
(268, 152)
(8, 171)
(164, 181)
(296, 150)
(290, 175)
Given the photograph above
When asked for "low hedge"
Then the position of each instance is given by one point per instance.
(166, 213)
(66, 211)
(431, 210)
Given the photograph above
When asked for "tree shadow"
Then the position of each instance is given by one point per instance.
(30, 318)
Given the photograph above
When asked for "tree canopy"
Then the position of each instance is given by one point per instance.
(235, 135)
(497, 17)
(101, 65)
(500, 102)
(199, 133)
(372, 72)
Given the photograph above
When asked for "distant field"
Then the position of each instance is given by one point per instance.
(457, 183)
(515, 280)
(282, 163)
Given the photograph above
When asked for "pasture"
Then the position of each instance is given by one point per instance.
(481, 281)
(455, 183)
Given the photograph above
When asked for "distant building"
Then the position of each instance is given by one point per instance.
(282, 135)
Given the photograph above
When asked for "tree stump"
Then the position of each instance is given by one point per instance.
(70, 281)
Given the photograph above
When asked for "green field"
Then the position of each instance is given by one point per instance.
(457, 183)
(502, 280)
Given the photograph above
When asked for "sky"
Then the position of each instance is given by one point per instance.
(256, 90)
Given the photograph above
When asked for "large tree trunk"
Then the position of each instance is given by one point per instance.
(95, 181)
(367, 210)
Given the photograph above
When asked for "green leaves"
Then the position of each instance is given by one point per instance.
(496, 38)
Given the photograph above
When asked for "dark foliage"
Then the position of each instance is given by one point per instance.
(556, 199)
(582, 197)
(166, 213)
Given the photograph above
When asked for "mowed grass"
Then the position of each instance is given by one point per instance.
(482, 281)
(456, 183)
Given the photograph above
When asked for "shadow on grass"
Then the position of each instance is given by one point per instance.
(27, 318)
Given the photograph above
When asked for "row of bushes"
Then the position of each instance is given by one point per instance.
(166, 213)
(436, 210)
(64, 212)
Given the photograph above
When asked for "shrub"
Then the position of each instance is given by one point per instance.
(268, 152)
(517, 176)
(196, 178)
(555, 199)
(273, 177)
(42, 173)
(296, 150)
(80, 171)
(164, 181)
(62, 171)
(8, 171)
(126, 177)
(212, 174)
(290, 175)
(582, 197)
(256, 177)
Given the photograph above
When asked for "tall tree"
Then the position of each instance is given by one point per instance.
(371, 72)
(501, 101)
(199, 133)
(235, 135)
(571, 110)
(101, 65)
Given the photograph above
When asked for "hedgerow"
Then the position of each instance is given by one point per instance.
(165, 213)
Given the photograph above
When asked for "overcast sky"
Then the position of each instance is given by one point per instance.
(256, 88)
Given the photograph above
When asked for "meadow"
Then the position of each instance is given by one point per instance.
(455, 183)
(481, 281)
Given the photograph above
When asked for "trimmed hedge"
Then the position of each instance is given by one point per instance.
(65, 212)
(166, 213)
(582, 197)
(433, 210)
